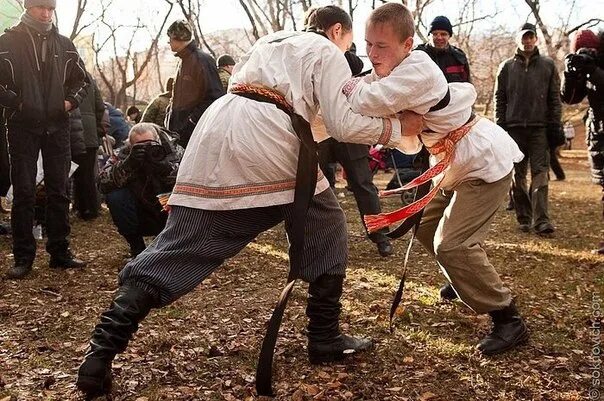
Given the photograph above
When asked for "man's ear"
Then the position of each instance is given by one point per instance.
(409, 44)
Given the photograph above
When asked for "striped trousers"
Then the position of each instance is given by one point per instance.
(196, 242)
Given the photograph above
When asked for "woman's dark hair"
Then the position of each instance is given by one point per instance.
(323, 18)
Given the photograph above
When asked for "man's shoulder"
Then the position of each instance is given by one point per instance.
(547, 60)
(10, 35)
(202, 56)
(507, 62)
(457, 52)
(65, 42)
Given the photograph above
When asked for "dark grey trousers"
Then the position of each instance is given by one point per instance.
(24, 146)
(531, 203)
(196, 242)
(354, 158)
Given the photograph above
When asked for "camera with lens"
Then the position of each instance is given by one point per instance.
(154, 152)
(577, 62)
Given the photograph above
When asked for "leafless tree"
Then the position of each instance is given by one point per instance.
(267, 16)
(78, 25)
(126, 66)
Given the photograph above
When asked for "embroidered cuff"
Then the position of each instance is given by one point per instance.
(391, 132)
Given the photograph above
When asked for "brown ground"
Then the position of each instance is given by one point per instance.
(45, 321)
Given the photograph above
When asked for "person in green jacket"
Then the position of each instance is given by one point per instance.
(156, 110)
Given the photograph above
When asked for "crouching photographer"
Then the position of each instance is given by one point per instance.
(146, 166)
(584, 76)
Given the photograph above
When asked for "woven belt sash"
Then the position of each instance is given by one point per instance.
(447, 146)
(306, 180)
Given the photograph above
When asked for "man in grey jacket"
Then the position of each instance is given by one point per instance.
(527, 105)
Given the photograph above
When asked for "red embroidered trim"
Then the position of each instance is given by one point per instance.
(349, 86)
(266, 92)
(236, 191)
(386, 132)
(446, 146)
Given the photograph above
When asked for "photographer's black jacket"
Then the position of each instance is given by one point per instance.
(145, 183)
(575, 88)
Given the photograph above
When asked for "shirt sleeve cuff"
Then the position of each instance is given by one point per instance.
(391, 132)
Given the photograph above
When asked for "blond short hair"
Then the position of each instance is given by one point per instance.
(396, 15)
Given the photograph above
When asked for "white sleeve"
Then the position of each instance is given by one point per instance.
(344, 125)
(416, 84)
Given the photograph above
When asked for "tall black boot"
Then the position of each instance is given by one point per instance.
(508, 331)
(325, 342)
(110, 337)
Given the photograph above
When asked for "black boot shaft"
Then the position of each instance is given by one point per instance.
(323, 307)
(111, 336)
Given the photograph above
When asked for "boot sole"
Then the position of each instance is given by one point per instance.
(522, 339)
(317, 359)
(92, 387)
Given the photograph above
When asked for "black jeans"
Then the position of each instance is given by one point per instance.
(86, 197)
(354, 158)
(25, 143)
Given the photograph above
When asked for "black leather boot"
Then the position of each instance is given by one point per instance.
(508, 332)
(110, 337)
(325, 342)
(447, 292)
(20, 270)
(65, 260)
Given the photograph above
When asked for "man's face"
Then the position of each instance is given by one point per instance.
(384, 48)
(176, 45)
(41, 14)
(529, 41)
(440, 39)
(229, 68)
(144, 137)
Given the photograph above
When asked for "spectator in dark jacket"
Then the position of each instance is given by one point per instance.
(118, 127)
(42, 78)
(134, 115)
(197, 82)
(144, 168)
(527, 105)
(86, 197)
(4, 163)
(451, 60)
(76, 135)
(584, 77)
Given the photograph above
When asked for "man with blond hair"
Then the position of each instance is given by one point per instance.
(472, 161)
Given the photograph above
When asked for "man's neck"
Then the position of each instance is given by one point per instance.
(527, 54)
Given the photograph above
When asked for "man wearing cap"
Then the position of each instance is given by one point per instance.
(197, 82)
(584, 78)
(225, 69)
(42, 78)
(527, 105)
(451, 60)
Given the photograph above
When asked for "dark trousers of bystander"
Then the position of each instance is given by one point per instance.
(25, 143)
